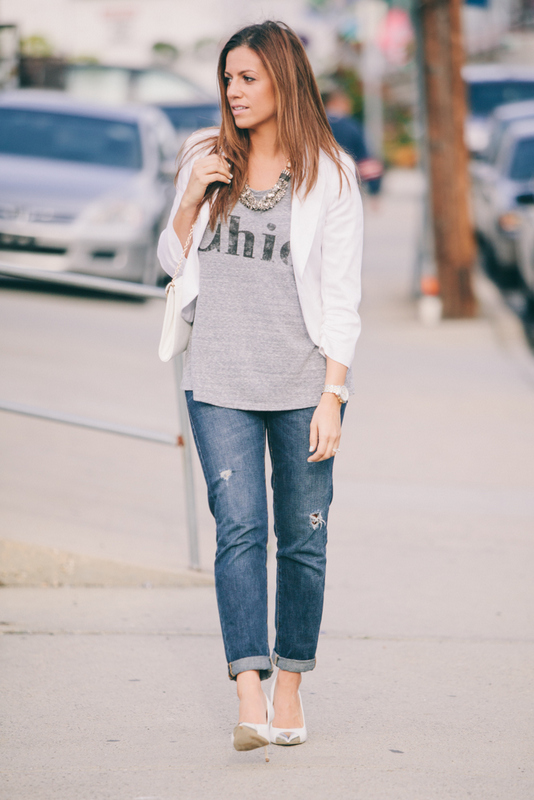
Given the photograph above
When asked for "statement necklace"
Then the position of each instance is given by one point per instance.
(272, 197)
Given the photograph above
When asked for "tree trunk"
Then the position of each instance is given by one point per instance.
(448, 158)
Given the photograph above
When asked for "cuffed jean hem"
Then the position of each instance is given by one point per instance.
(263, 664)
(292, 665)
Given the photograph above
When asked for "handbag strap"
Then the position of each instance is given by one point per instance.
(177, 270)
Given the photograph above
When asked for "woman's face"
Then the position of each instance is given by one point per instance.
(249, 89)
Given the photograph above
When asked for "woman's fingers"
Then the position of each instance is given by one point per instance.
(324, 446)
(325, 430)
(206, 170)
(212, 168)
(314, 436)
(325, 450)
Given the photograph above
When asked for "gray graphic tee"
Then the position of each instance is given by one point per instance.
(249, 347)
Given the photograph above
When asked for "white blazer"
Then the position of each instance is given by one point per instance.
(326, 249)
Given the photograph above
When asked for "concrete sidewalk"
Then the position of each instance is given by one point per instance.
(424, 684)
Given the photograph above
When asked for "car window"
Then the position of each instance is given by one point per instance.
(495, 139)
(154, 86)
(484, 97)
(193, 117)
(104, 85)
(66, 137)
(522, 166)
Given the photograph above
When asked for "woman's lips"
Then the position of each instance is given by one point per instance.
(239, 109)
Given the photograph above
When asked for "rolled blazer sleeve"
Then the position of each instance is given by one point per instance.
(169, 246)
(341, 259)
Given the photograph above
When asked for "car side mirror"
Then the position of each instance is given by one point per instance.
(525, 199)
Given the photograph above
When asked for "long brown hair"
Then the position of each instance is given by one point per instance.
(303, 129)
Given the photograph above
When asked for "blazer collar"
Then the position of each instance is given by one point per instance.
(201, 224)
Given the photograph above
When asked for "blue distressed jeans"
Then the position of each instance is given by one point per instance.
(231, 446)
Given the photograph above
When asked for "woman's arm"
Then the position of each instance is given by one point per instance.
(185, 206)
(341, 254)
(325, 428)
(341, 257)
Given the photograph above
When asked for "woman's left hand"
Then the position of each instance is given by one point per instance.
(325, 428)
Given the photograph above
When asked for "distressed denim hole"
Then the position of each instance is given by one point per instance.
(317, 520)
(225, 474)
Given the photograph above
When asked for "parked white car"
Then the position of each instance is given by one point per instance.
(501, 118)
(489, 86)
(495, 188)
(83, 187)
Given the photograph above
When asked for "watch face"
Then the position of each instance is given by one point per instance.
(344, 394)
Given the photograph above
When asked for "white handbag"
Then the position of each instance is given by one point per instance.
(176, 331)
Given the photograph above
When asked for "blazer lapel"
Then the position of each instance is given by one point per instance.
(191, 269)
(304, 219)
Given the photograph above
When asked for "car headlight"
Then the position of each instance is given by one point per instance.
(116, 212)
(510, 222)
(476, 136)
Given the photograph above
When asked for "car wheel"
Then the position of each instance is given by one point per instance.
(505, 277)
(152, 269)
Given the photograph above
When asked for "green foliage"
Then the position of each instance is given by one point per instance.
(84, 59)
(349, 80)
(399, 146)
(398, 120)
(36, 47)
(165, 52)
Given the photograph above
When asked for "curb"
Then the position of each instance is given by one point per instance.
(506, 325)
(32, 565)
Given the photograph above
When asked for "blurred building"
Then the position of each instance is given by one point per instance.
(499, 30)
(125, 31)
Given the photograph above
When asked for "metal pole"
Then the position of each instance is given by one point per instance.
(83, 281)
(425, 258)
(187, 461)
(369, 14)
(373, 107)
(183, 440)
(92, 424)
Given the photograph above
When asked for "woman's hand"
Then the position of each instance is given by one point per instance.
(205, 171)
(325, 428)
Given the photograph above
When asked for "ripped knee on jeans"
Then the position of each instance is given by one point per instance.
(317, 520)
(225, 474)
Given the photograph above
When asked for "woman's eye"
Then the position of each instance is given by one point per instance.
(248, 78)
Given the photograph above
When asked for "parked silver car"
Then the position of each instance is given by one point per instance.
(187, 106)
(495, 189)
(83, 187)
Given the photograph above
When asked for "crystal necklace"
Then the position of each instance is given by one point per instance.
(272, 197)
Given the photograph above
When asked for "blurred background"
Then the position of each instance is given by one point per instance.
(434, 100)
(425, 661)
(82, 55)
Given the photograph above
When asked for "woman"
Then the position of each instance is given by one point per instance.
(272, 285)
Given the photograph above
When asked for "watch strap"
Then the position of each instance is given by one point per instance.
(337, 390)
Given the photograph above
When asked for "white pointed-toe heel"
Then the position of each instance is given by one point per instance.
(251, 735)
(288, 736)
